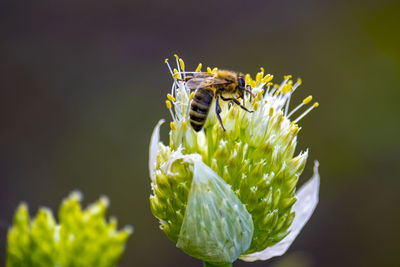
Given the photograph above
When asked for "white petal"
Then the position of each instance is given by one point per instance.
(153, 149)
(307, 200)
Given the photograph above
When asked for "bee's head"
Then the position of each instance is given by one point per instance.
(242, 86)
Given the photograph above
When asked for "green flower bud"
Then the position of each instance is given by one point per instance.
(82, 237)
(251, 165)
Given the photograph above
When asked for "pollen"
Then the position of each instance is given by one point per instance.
(259, 94)
(259, 76)
(267, 78)
(307, 99)
(255, 105)
(182, 64)
(271, 111)
(171, 97)
(184, 126)
(168, 104)
(286, 88)
(199, 67)
(172, 125)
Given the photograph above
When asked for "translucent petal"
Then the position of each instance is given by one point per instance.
(216, 228)
(153, 149)
(307, 200)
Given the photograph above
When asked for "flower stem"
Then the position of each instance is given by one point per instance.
(206, 264)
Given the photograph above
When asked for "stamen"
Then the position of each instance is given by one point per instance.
(259, 76)
(191, 96)
(262, 69)
(259, 94)
(271, 111)
(255, 106)
(172, 125)
(169, 67)
(184, 125)
(176, 75)
(307, 99)
(305, 102)
(316, 104)
(209, 70)
(267, 78)
(169, 107)
(199, 67)
(178, 65)
(182, 64)
(214, 70)
(171, 97)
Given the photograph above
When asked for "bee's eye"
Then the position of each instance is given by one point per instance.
(242, 83)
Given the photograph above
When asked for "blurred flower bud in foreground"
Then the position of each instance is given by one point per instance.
(81, 238)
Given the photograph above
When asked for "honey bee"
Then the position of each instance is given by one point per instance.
(223, 84)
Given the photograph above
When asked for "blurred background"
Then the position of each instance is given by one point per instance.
(83, 83)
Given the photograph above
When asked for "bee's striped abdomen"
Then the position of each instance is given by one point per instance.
(199, 107)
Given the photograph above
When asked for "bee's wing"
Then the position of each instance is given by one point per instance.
(198, 82)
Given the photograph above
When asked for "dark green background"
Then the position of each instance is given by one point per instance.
(83, 83)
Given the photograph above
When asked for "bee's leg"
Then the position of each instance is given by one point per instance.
(237, 103)
(217, 111)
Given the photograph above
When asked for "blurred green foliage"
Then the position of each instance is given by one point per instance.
(82, 237)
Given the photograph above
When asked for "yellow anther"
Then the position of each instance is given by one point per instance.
(176, 74)
(182, 64)
(299, 81)
(307, 99)
(259, 94)
(176, 56)
(259, 76)
(214, 70)
(208, 69)
(168, 104)
(270, 83)
(276, 86)
(286, 88)
(253, 84)
(184, 126)
(295, 129)
(172, 125)
(267, 78)
(262, 69)
(316, 104)
(287, 77)
(199, 67)
(166, 60)
(191, 96)
(255, 105)
(171, 97)
(271, 111)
